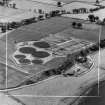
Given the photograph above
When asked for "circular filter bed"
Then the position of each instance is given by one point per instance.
(27, 50)
(38, 62)
(41, 44)
(41, 54)
(24, 61)
(19, 56)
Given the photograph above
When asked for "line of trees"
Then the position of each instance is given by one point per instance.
(77, 25)
(93, 18)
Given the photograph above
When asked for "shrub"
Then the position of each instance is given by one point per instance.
(79, 25)
(74, 24)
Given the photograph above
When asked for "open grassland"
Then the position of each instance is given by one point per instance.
(87, 34)
(54, 25)
(40, 29)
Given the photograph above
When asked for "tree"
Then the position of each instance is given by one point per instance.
(83, 53)
(3, 29)
(102, 43)
(91, 18)
(91, 10)
(59, 4)
(79, 25)
(5, 2)
(76, 11)
(95, 47)
(14, 5)
(81, 59)
(96, 18)
(103, 21)
(74, 24)
(97, 2)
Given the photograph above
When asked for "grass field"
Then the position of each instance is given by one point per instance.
(41, 29)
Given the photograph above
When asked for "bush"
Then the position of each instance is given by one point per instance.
(95, 47)
(15, 25)
(79, 25)
(74, 24)
(102, 43)
(3, 29)
(59, 4)
(91, 18)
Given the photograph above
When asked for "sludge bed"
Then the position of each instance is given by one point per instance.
(29, 55)
(41, 44)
